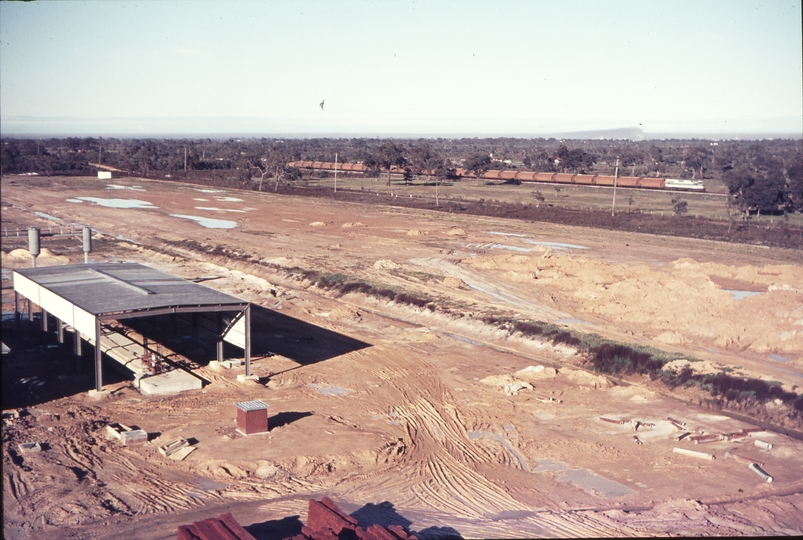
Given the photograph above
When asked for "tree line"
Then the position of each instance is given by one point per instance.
(761, 176)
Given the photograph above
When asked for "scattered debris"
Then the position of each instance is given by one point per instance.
(764, 445)
(756, 469)
(697, 439)
(692, 453)
(637, 440)
(682, 436)
(742, 459)
(612, 421)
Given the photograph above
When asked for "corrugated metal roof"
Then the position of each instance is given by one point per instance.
(114, 287)
(256, 405)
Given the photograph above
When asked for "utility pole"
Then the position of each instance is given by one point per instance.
(615, 180)
(100, 149)
(185, 159)
(335, 172)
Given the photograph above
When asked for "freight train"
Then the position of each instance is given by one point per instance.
(642, 182)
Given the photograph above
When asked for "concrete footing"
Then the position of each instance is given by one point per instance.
(169, 383)
(242, 378)
(99, 394)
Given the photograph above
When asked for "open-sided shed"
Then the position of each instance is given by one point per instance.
(84, 296)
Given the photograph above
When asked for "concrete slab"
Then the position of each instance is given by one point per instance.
(169, 383)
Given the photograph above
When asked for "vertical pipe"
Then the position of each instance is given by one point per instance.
(335, 172)
(33, 243)
(60, 331)
(219, 332)
(87, 243)
(76, 342)
(98, 357)
(248, 340)
(17, 309)
(30, 309)
(44, 321)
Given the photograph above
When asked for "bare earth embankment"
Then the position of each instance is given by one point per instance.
(417, 406)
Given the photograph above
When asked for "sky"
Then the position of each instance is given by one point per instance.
(400, 68)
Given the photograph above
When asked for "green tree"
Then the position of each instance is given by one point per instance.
(391, 154)
(478, 164)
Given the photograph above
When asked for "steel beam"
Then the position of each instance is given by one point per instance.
(98, 357)
(248, 341)
(169, 310)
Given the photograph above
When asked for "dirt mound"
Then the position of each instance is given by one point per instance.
(416, 232)
(385, 264)
(455, 282)
(456, 232)
(45, 258)
(317, 224)
(353, 224)
(583, 378)
(676, 304)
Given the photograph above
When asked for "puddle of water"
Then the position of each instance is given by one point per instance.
(473, 435)
(499, 296)
(550, 465)
(575, 321)
(117, 203)
(207, 484)
(584, 479)
(741, 295)
(46, 216)
(228, 199)
(212, 208)
(556, 245)
(500, 246)
(509, 234)
(117, 186)
(210, 190)
(327, 390)
(461, 338)
(590, 482)
(209, 223)
(778, 358)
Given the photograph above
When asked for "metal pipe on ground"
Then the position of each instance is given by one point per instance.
(764, 445)
(692, 453)
(756, 469)
(742, 459)
(704, 438)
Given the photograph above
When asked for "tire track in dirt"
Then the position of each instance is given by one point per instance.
(443, 458)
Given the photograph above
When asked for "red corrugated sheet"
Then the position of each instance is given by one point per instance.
(224, 527)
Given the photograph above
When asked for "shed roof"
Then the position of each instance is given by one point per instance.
(104, 288)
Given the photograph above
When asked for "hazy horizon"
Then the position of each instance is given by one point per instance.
(421, 68)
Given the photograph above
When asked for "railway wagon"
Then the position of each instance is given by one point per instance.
(639, 182)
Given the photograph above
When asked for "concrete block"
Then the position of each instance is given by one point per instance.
(134, 437)
(173, 446)
(169, 383)
(99, 394)
(214, 365)
(183, 453)
(243, 377)
(29, 448)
